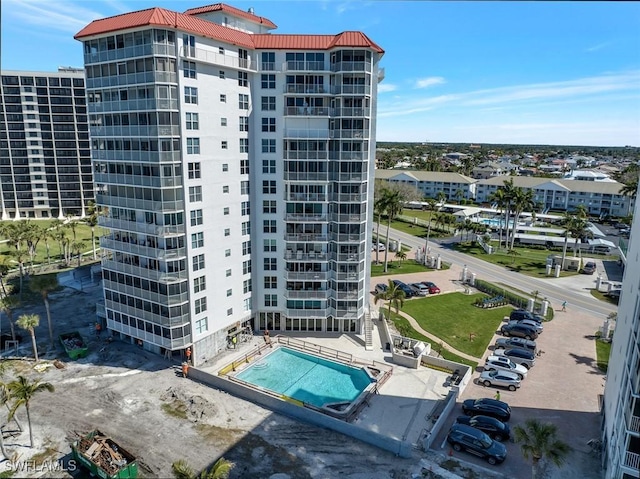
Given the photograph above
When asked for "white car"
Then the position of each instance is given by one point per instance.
(501, 363)
(510, 381)
(381, 247)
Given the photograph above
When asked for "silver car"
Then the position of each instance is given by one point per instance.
(501, 363)
(503, 379)
(535, 325)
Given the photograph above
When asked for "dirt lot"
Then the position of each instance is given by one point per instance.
(141, 402)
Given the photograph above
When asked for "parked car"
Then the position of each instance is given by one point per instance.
(519, 314)
(536, 326)
(380, 246)
(408, 292)
(508, 343)
(467, 438)
(511, 381)
(502, 363)
(487, 407)
(519, 356)
(589, 268)
(419, 288)
(518, 330)
(491, 426)
(380, 288)
(433, 289)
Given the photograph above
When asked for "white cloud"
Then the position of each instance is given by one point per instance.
(60, 15)
(429, 81)
(599, 46)
(386, 87)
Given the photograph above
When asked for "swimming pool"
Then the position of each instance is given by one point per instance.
(307, 378)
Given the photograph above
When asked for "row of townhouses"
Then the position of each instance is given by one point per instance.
(601, 198)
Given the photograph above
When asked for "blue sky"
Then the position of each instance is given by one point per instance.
(564, 73)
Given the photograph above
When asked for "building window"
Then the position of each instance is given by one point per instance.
(223, 122)
(269, 187)
(200, 305)
(191, 95)
(244, 187)
(189, 69)
(246, 227)
(270, 282)
(192, 121)
(244, 167)
(199, 284)
(268, 145)
(268, 81)
(225, 167)
(227, 231)
(246, 267)
(269, 166)
(244, 208)
(193, 146)
(269, 245)
(270, 264)
(220, 49)
(194, 170)
(225, 211)
(246, 248)
(198, 262)
(244, 123)
(196, 217)
(197, 240)
(268, 61)
(269, 206)
(244, 145)
(189, 45)
(227, 253)
(223, 98)
(230, 312)
(202, 326)
(243, 79)
(195, 193)
(246, 286)
(268, 103)
(269, 226)
(269, 124)
(221, 74)
(247, 304)
(228, 273)
(224, 145)
(225, 188)
(271, 300)
(243, 101)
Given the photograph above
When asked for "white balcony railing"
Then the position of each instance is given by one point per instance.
(632, 460)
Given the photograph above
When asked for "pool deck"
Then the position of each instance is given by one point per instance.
(405, 402)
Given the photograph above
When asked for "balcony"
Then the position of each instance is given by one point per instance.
(128, 105)
(306, 177)
(306, 276)
(632, 460)
(305, 155)
(305, 197)
(357, 134)
(163, 299)
(147, 315)
(348, 257)
(354, 176)
(306, 111)
(349, 218)
(351, 276)
(347, 238)
(152, 274)
(142, 250)
(137, 155)
(348, 198)
(349, 155)
(305, 218)
(171, 344)
(135, 130)
(136, 204)
(356, 112)
(321, 294)
(131, 79)
(351, 66)
(306, 237)
(218, 59)
(351, 90)
(124, 225)
(303, 66)
(302, 256)
(306, 313)
(308, 133)
(305, 89)
(353, 295)
(133, 180)
(634, 424)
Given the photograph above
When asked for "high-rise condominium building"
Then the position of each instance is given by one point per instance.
(45, 156)
(235, 169)
(621, 434)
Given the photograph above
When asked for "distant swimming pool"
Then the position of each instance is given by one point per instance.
(496, 223)
(307, 378)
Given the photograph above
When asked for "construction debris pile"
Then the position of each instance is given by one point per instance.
(103, 452)
(73, 342)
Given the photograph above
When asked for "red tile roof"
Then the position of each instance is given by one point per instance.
(233, 11)
(188, 22)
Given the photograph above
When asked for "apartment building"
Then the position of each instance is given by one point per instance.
(45, 156)
(621, 405)
(430, 183)
(236, 169)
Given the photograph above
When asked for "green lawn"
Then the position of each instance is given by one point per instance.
(603, 297)
(453, 318)
(396, 267)
(404, 328)
(603, 349)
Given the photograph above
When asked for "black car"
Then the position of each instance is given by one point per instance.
(519, 314)
(518, 330)
(405, 288)
(489, 425)
(509, 343)
(487, 407)
(467, 438)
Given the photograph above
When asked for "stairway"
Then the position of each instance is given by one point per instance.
(368, 332)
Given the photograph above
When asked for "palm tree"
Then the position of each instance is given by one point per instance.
(538, 441)
(578, 228)
(379, 207)
(30, 322)
(431, 206)
(442, 198)
(499, 199)
(93, 212)
(508, 193)
(393, 205)
(630, 188)
(4, 398)
(401, 255)
(77, 247)
(45, 284)
(522, 201)
(220, 470)
(393, 295)
(8, 304)
(22, 391)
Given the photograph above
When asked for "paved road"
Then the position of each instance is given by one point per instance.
(556, 293)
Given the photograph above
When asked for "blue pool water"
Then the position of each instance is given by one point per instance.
(307, 378)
